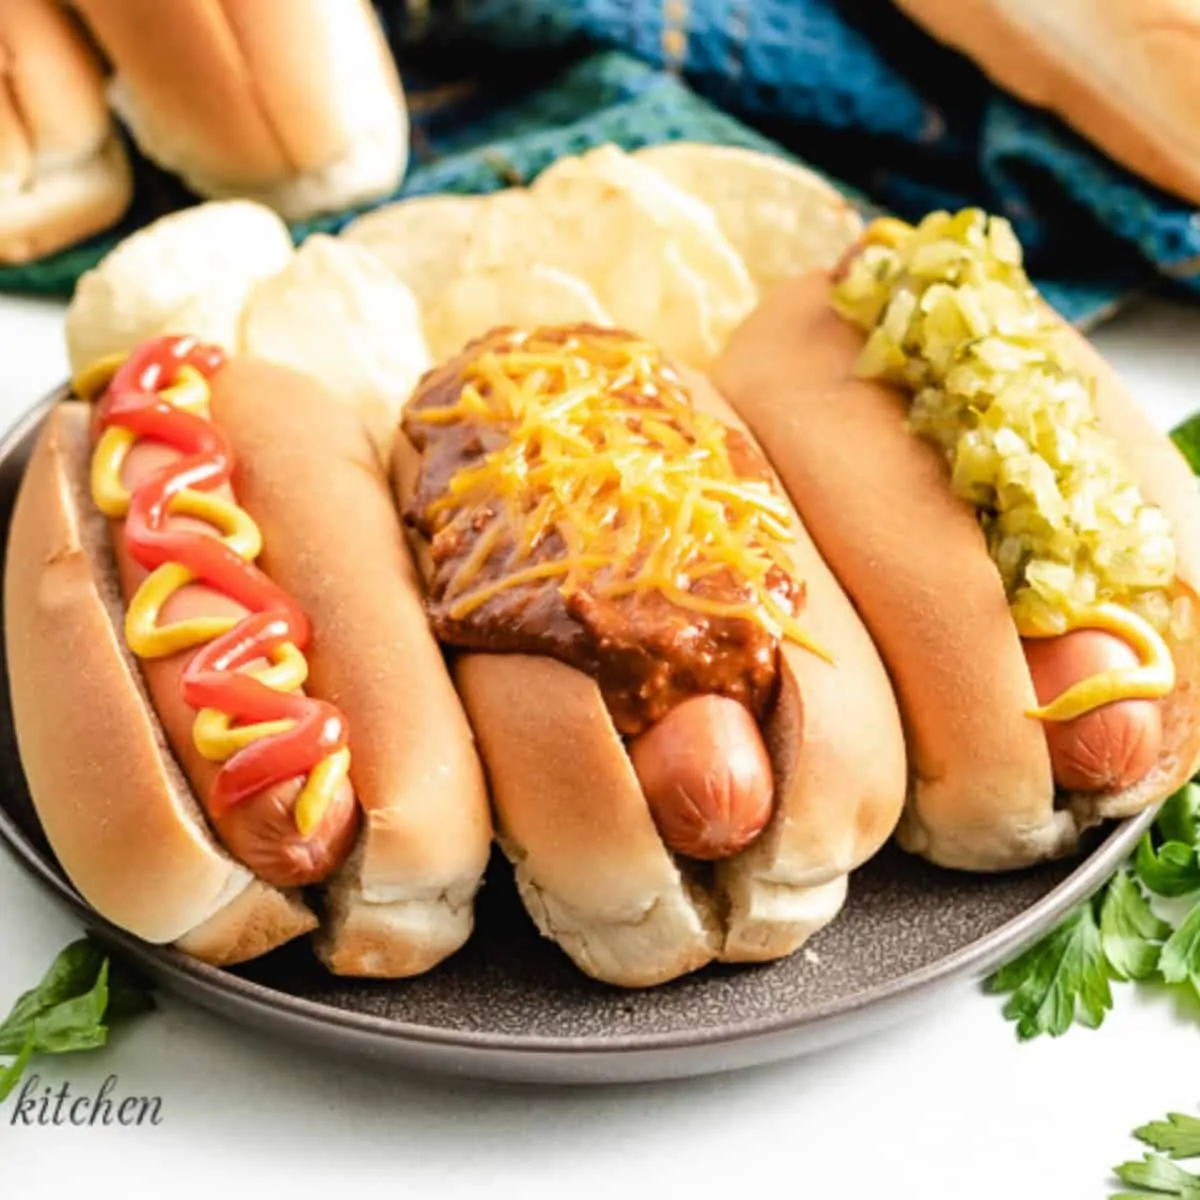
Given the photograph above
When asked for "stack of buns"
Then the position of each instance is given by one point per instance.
(294, 103)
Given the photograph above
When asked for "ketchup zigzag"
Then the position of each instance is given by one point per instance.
(264, 735)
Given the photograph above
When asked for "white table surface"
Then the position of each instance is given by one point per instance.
(946, 1105)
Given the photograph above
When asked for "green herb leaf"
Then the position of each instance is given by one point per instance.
(1160, 1175)
(70, 1010)
(71, 974)
(1179, 961)
(1062, 979)
(10, 1076)
(1179, 818)
(75, 1024)
(1187, 437)
(1130, 932)
(1178, 1135)
(1170, 870)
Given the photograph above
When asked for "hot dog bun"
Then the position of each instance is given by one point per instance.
(64, 173)
(294, 103)
(590, 864)
(111, 799)
(914, 560)
(308, 475)
(1124, 73)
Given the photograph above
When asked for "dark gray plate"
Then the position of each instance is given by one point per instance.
(510, 1006)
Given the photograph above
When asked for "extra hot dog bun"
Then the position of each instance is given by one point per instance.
(294, 103)
(590, 864)
(1124, 73)
(914, 560)
(309, 476)
(64, 174)
(112, 801)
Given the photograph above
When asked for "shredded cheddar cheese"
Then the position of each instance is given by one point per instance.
(604, 449)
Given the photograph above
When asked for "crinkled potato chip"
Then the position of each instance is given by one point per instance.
(654, 255)
(521, 296)
(189, 272)
(338, 314)
(420, 240)
(782, 219)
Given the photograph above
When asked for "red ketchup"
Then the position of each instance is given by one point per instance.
(213, 678)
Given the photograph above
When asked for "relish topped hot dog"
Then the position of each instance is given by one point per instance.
(1022, 544)
(581, 503)
(257, 703)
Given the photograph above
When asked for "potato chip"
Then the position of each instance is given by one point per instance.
(189, 272)
(654, 256)
(420, 240)
(338, 314)
(781, 218)
(508, 230)
(479, 301)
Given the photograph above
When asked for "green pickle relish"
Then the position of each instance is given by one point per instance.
(953, 319)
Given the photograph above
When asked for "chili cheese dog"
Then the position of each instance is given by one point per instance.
(188, 781)
(670, 692)
(1020, 540)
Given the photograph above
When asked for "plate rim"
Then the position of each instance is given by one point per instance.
(973, 959)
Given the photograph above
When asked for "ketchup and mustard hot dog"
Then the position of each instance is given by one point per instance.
(221, 646)
(226, 683)
(670, 691)
(1022, 543)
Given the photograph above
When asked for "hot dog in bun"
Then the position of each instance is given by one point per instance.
(689, 736)
(1022, 543)
(224, 689)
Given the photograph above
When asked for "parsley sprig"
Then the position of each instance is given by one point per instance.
(1159, 1174)
(82, 994)
(1132, 930)
(1124, 933)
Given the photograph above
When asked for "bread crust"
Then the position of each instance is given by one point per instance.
(307, 473)
(1123, 73)
(295, 103)
(913, 558)
(111, 799)
(66, 205)
(591, 868)
(55, 79)
(835, 805)
(64, 173)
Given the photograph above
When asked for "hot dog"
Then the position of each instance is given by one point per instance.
(1021, 541)
(707, 777)
(229, 738)
(669, 690)
(1111, 747)
(147, 451)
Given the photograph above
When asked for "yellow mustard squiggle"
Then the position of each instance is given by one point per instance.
(1152, 679)
(213, 732)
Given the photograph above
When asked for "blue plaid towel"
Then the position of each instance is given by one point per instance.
(853, 87)
(500, 88)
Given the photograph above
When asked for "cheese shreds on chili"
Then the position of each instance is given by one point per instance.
(603, 449)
